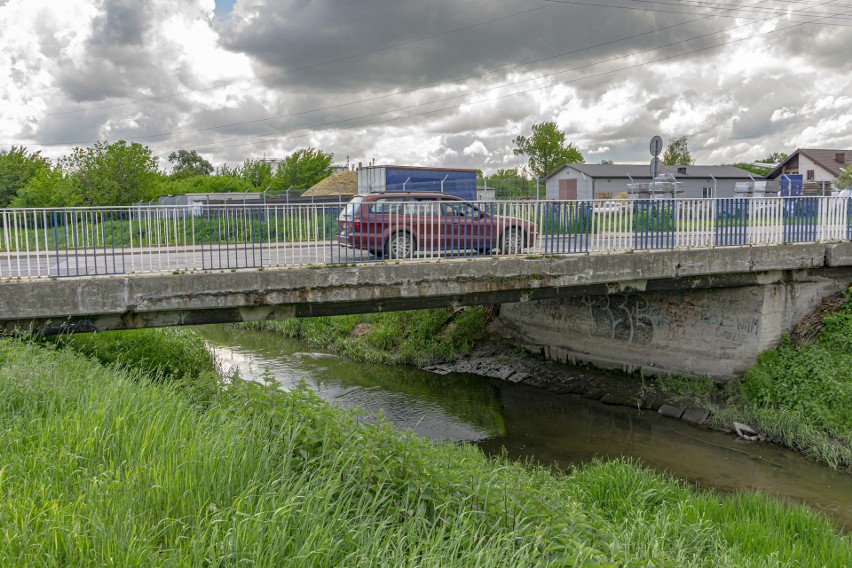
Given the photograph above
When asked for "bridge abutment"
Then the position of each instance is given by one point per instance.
(716, 332)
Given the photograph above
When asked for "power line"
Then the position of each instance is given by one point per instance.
(302, 67)
(682, 12)
(408, 91)
(264, 138)
(735, 7)
(221, 142)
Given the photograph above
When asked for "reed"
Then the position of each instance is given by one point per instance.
(104, 466)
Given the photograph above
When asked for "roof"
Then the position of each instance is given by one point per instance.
(628, 171)
(408, 194)
(340, 183)
(821, 157)
(387, 166)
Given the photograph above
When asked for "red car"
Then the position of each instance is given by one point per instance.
(398, 225)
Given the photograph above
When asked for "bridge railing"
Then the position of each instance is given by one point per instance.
(118, 240)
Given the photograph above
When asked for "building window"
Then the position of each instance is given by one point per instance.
(810, 175)
(707, 192)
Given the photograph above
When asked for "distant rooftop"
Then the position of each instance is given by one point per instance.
(626, 171)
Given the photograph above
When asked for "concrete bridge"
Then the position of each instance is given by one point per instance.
(707, 312)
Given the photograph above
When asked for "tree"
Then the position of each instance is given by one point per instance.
(256, 172)
(546, 149)
(189, 164)
(510, 184)
(110, 174)
(677, 153)
(48, 188)
(750, 168)
(17, 167)
(203, 184)
(844, 180)
(774, 158)
(303, 169)
(607, 162)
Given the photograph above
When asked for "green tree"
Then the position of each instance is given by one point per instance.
(17, 167)
(110, 174)
(750, 168)
(677, 153)
(187, 163)
(509, 184)
(546, 149)
(257, 172)
(203, 184)
(303, 169)
(844, 180)
(48, 188)
(774, 158)
(607, 162)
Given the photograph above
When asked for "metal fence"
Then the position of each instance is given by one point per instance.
(119, 240)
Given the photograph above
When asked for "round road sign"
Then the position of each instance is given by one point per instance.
(656, 145)
(655, 166)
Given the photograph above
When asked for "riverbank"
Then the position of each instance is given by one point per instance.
(107, 466)
(798, 395)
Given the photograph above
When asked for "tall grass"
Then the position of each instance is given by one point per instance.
(100, 466)
(402, 338)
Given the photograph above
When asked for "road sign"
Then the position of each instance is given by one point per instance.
(656, 145)
(655, 166)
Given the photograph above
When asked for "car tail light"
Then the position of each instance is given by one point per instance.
(356, 225)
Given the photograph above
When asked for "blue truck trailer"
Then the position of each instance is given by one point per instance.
(380, 179)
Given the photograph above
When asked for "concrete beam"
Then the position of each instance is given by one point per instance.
(156, 300)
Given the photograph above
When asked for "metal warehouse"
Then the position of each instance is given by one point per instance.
(601, 181)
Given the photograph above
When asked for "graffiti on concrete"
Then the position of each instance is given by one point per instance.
(624, 317)
(632, 318)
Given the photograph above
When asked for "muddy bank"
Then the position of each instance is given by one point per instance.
(499, 361)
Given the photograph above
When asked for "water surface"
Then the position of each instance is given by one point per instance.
(552, 429)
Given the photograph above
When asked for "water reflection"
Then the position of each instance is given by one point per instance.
(533, 424)
(430, 405)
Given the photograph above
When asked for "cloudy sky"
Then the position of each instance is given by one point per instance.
(436, 83)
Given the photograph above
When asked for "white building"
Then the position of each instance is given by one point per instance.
(818, 168)
(601, 181)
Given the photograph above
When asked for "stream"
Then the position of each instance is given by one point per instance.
(530, 423)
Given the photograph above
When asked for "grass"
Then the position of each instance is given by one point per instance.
(401, 338)
(800, 396)
(104, 466)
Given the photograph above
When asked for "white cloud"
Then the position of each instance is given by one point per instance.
(321, 73)
(476, 149)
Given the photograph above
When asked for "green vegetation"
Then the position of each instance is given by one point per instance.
(102, 466)
(122, 173)
(800, 396)
(844, 180)
(677, 153)
(546, 149)
(399, 338)
(174, 354)
(17, 167)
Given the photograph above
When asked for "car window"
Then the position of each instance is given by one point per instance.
(460, 209)
(424, 208)
(385, 206)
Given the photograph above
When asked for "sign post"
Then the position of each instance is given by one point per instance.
(656, 148)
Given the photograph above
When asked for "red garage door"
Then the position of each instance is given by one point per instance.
(567, 190)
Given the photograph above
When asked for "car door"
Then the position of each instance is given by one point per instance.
(463, 227)
(425, 220)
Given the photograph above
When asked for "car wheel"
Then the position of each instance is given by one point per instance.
(512, 241)
(399, 245)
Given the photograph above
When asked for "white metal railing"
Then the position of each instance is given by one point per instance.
(117, 240)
